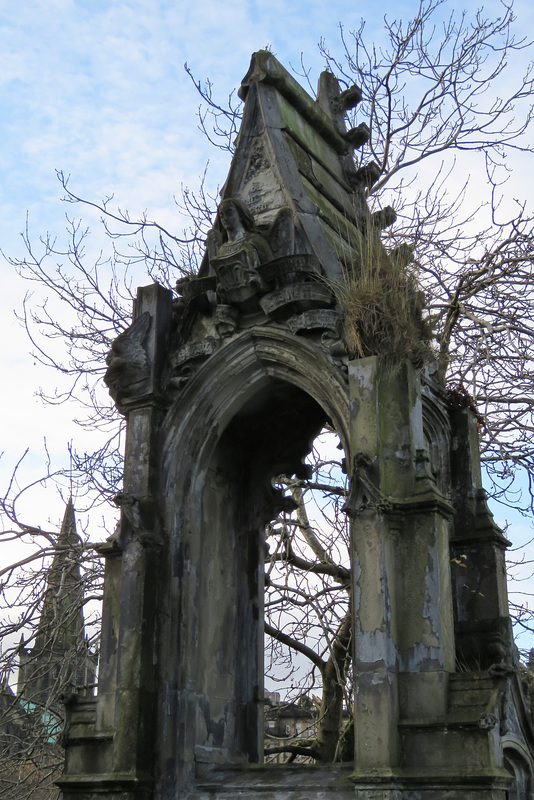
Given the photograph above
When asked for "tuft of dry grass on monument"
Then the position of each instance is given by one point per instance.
(382, 305)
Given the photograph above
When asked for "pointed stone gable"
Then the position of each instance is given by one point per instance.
(295, 152)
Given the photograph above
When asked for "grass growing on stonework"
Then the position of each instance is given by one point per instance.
(382, 304)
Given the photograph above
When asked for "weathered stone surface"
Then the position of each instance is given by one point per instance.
(295, 299)
(220, 400)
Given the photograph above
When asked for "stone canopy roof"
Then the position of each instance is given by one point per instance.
(295, 152)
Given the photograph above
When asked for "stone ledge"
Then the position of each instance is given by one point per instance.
(89, 737)
(418, 777)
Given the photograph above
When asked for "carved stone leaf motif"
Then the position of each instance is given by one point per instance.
(487, 721)
(363, 495)
(127, 360)
(258, 161)
(281, 234)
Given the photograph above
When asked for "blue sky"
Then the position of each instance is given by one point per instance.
(98, 90)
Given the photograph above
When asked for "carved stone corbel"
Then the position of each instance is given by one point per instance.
(363, 494)
(141, 517)
(128, 369)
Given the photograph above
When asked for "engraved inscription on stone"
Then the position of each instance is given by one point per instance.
(194, 350)
(260, 189)
(296, 297)
(317, 319)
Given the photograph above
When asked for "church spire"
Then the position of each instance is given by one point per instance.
(61, 621)
(59, 650)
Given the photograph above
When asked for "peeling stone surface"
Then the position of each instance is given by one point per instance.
(222, 390)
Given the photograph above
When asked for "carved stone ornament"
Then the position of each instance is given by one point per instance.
(193, 350)
(128, 369)
(296, 298)
(226, 320)
(194, 291)
(487, 721)
(140, 515)
(238, 279)
(188, 357)
(325, 319)
(424, 480)
(299, 266)
(363, 495)
(236, 255)
(237, 250)
(112, 545)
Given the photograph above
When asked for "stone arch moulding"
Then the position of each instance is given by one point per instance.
(222, 386)
(253, 407)
(518, 760)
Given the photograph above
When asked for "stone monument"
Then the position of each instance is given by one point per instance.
(225, 388)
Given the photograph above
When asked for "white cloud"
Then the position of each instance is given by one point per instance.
(98, 90)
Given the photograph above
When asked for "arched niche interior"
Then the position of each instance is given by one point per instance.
(437, 439)
(271, 434)
(230, 438)
(520, 768)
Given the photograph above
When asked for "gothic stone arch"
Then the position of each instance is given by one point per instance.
(235, 429)
(222, 389)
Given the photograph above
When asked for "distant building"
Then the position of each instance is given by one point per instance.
(288, 724)
(55, 662)
(14, 725)
(59, 660)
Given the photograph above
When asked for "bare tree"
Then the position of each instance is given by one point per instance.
(307, 602)
(439, 103)
(48, 649)
(436, 94)
(441, 89)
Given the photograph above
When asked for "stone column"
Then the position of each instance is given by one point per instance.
(374, 591)
(142, 540)
(107, 674)
(478, 547)
(403, 641)
(110, 746)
